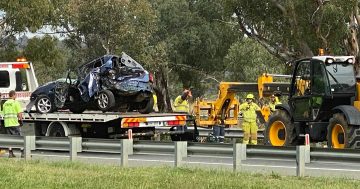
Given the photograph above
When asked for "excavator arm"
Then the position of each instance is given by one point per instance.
(225, 109)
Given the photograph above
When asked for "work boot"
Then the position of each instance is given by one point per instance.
(2, 152)
(221, 139)
(11, 154)
(22, 154)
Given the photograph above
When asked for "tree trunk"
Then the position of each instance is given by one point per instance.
(162, 91)
(352, 41)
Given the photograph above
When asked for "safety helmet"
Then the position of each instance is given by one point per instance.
(250, 96)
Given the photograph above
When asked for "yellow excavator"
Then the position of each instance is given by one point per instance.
(225, 109)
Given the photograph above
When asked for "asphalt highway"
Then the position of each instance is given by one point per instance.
(251, 164)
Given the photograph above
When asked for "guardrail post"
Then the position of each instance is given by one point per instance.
(75, 147)
(237, 156)
(126, 149)
(29, 144)
(300, 161)
(243, 151)
(307, 154)
(180, 152)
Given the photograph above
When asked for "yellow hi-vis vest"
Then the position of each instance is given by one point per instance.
(249, 111)
(272, 105)
(181, 105)
(10, 111)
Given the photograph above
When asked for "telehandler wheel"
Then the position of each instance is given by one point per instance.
(280, 131)
(340, 134)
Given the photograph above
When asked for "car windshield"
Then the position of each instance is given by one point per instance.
(341, 77)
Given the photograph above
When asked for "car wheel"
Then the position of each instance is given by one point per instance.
(77, 108)
(44, 105)
(147, 106)
(105, 100)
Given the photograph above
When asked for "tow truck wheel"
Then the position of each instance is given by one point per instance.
(44, 105)
(106, 100)
(280, 131)
(57, 130)
(340, 134)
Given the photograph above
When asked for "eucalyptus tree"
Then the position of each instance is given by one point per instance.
(291, 29)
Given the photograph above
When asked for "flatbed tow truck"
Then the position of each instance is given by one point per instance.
(20, 76)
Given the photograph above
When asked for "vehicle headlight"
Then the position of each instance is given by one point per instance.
(329, 60)
(350, 61)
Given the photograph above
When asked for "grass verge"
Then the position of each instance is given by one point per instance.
(40, 174)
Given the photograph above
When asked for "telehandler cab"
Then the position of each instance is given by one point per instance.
(324, 102)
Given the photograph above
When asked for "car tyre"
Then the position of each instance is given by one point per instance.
(148, 106)
(77, 108)
(105, 100)
(44, 105)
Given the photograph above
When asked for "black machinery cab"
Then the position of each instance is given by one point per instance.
(319, 84)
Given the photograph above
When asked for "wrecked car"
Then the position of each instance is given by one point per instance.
(108, 83)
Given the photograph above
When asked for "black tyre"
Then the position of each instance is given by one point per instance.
(44, 105)
(147, 106)
(105, 100)
(77, 108)
(57, 130)
(280, 131)
(340, 134)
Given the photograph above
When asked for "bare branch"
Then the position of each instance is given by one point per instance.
(272, 49)
(279, 6)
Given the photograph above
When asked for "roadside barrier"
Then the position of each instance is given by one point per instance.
(180, 150)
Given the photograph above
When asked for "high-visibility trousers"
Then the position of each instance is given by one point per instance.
(250, 130)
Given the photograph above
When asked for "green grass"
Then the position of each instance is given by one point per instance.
(41, 174)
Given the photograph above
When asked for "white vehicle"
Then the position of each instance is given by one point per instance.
(20, 76)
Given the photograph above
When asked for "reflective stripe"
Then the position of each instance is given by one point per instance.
(10, 116)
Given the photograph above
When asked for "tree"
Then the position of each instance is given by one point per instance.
(20, 16)
(247, 60)
(197, 38)
(292, 29)
(49, 60)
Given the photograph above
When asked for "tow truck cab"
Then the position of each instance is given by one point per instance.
(18, 76)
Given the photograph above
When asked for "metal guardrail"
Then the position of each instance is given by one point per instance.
(127, 147)
(204, 132)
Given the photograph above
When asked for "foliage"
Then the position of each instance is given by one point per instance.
(49, 60)
(292, 29)
(183, 43)
(246, 60)
(8, 51)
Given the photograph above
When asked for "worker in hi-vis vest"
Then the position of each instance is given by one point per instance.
(274, 100)
(249, 125)
(12, 113)
(181, 103)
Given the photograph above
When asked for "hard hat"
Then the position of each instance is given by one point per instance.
(250, 96)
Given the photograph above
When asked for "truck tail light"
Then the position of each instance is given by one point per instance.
(133, 124)
(176, 122)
